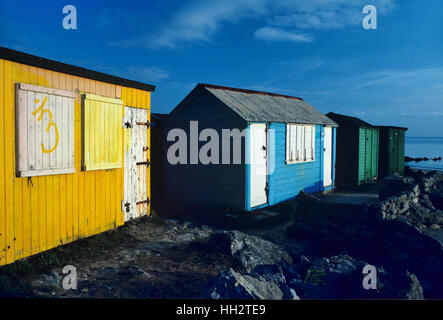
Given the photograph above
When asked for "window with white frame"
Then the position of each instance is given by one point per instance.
(300, 143)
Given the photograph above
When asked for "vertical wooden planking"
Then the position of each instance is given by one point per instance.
(26, 186)
(78, 146)
(87, 177)
(107, 145)
(2, 165)
(76, 152)
(9, 154)
(113, 174)
(63, 178)
(49, 212)
(94, 186)
(31, 98)
(119, 172)
(40, 184)
(101, 90)
(65, 132)
(55, 180)
(98, 136)
(148, 141)
(134, 97)
(46, 211)
(69, 146)
(22, 75)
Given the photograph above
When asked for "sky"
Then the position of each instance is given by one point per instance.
(316, 49)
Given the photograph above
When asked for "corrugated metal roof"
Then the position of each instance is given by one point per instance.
(258, 106)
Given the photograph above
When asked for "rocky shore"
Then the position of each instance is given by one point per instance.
(340, 239)
(314, 247)
(418, 159)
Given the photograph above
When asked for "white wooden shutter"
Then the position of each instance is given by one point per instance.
(313, 144)
(308, 143)
(293, 143)
(102, 133)
(300, 143)
(288, 142)
(44, 131)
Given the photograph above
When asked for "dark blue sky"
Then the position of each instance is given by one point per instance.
(316, 49)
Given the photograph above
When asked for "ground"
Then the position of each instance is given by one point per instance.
(150, 257)
(163, 257)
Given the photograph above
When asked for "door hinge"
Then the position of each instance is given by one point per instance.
(128, 125)
(126, 206)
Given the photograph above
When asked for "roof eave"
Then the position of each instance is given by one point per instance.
(39, 62)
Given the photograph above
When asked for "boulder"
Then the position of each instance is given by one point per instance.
(262, 285)
(341, 277)
(247, 250)
(436, 198)
(327, 226)
(394, 185)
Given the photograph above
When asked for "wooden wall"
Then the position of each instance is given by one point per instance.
(43, 212)
(287, 180)
(212, 184)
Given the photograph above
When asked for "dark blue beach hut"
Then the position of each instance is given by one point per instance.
(285, 146)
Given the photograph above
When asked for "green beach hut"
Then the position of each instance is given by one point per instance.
(392, 151)
(357, 150)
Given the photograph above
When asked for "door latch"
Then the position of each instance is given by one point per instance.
(126, 207)
(147, 124)
(146, 163)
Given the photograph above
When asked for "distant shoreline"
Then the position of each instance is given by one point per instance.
(407, 137)
(424, 168)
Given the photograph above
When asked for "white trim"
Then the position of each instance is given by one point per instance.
(45, 90)
(298, 147)
(32, 173)
(295, 162)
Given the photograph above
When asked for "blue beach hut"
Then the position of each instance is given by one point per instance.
(246, 149)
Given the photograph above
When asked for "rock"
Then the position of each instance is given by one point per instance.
(436, 198)
(249, 251)
(235, 285)
(415, 291)
(258, 272)
(326, 225)
(415, 210)
(48, 281)
(430, 181)
(394, 185)
(337, 277)
(294, 295)
(341, 277)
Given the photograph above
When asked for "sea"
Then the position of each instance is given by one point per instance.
(419, 147)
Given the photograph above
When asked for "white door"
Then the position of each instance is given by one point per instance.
(258, 163)
(327, 158)
(136, 162)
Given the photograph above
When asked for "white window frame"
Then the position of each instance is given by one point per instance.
(297, 148)
(40, 112)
